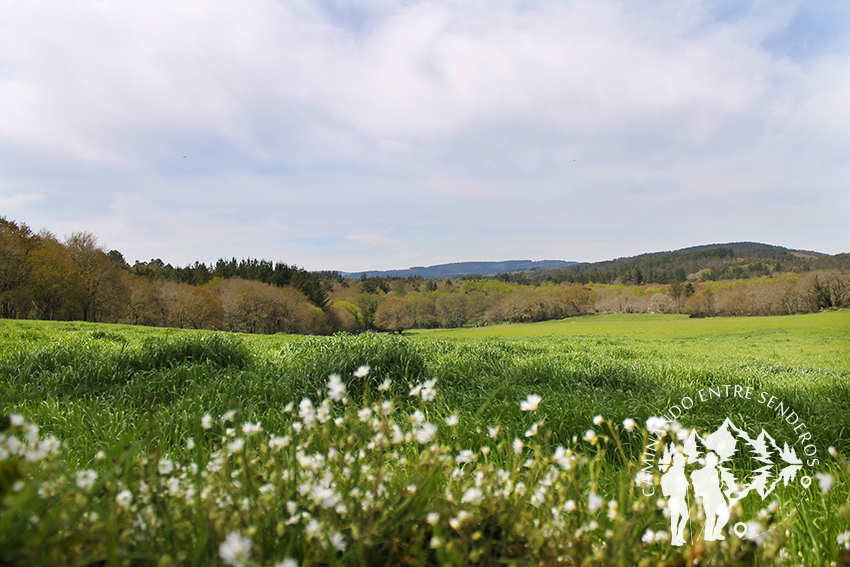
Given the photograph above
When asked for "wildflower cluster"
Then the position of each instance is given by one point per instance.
(349, 483)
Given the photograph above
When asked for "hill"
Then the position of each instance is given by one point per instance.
(734, 260)
(458, 269)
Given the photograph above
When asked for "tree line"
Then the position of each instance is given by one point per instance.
(43, 277)
(75, 278)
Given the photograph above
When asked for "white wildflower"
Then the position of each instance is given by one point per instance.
(517, 446)
(493, 432)
(564, 458)
(826, 481)
(235, 550)
(532, 431)
(569, 505)
(86, 478)
(465, 456)
(124, 498)
(190, 444)
(50, 444)
(165, 466)
(656, 425)
(432, 518)
(594, 502)
(16, 419)
(277, 443)
(452, 420)
(426, 390)
(313, 529)
(385, 385)
(228, 416)
(336, 389)
(538, 498)
(338, 541)
(307, 413)
(288, 562)
(362, 371)
(472, 496)
(425, 433)
(643, 477)
(207, 421)
(590, 436)
(598, 420)
(755, 532)
(629, 424)
(530, 403)
(648, 536)
(236, 445)
(251, 428)
(458, 521)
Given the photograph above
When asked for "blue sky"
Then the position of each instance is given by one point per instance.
(382, 135)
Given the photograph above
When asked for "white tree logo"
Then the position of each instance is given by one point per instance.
(714, 483)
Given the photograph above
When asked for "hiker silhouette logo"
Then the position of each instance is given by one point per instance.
(701, 470)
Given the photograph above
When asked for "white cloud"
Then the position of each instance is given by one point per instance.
(591, 122)
(19, 201)
(372, 238)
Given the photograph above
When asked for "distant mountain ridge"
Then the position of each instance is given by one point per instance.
(731, 260)
(458, 269)
(683, 261)
(749, 246)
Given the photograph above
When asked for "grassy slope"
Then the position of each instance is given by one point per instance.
(816, 325)
(77, 379)
(91, 384)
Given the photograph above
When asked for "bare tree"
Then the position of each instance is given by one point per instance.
(393, 315)
(105, 293)
(53, 286)
(451, 309)
(255, 307)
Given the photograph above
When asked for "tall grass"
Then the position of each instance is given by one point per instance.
(123, 398)
(352, 484)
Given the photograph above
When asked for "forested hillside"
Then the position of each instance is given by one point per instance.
(740, 260)
(43, 277)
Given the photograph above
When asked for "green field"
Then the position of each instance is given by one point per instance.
(106, 388)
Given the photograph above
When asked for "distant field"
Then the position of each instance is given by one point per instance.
(816, 325)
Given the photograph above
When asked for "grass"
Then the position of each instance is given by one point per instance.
(826, 325)
(105, 388)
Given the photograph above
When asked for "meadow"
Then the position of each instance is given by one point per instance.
(427, 473)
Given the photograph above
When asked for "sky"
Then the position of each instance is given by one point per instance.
(370, 135)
